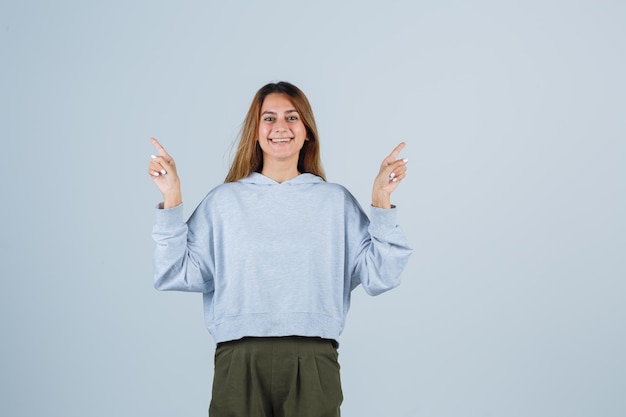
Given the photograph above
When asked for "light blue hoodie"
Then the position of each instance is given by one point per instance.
(278, 259)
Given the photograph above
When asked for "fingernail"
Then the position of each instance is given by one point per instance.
(405, 160)
(393, 174)
(156, 174)
(163, 172)
(153, 156)
(394, 180)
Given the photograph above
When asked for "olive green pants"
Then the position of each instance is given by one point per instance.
(276, 377)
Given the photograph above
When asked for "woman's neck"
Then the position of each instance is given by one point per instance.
(280, 173)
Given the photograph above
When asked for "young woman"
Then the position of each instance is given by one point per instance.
(276, 251)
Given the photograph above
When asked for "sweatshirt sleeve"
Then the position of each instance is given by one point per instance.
(181, 260)
(382, 252)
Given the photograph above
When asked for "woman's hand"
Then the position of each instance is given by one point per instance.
(162, 170)
(392, 172)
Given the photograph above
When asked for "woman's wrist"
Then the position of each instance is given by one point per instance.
(172, 200)
(381, 201)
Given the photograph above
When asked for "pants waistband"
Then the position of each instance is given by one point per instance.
(333, 342)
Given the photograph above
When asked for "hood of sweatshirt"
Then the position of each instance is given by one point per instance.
(258, 178)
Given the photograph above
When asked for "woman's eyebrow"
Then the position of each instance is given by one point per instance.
(273, 112)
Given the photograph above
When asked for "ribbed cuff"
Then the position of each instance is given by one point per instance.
(169, 218)
(383, 219)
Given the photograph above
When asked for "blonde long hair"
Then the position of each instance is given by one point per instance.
(249, 157)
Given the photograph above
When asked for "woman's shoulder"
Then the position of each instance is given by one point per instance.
(226, 189)
(335, 188)
(220, 192)
(338, 191)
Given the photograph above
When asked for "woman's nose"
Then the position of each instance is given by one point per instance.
(280, 126)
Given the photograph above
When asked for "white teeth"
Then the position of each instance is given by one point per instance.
(281, 140)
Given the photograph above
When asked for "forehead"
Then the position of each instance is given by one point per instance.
(276, 102)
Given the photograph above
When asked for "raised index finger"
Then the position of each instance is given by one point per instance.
(160, 149)
(397, 150)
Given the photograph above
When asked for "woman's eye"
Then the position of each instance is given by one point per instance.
(269, 119)
(293, 117)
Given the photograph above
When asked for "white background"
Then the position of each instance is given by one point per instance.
(513, 303)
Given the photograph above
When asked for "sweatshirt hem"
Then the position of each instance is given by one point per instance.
(276, 325)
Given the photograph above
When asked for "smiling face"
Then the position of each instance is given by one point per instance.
(281, 132)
